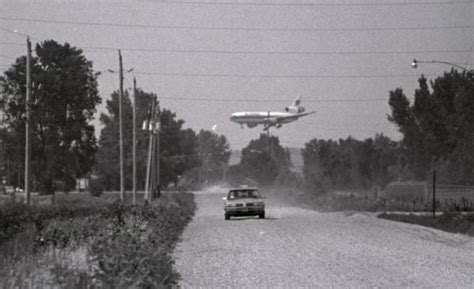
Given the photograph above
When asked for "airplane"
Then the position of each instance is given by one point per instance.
(270, 118)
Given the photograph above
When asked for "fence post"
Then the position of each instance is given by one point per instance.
(434, 193)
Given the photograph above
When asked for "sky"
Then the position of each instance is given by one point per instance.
(206, 59)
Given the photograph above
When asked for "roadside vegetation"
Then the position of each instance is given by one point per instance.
(89, 242)
(454, 222)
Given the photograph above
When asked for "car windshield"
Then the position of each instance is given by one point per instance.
(240, 194)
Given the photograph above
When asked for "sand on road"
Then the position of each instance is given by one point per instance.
(295, 247)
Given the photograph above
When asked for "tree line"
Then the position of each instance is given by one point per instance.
(64, 100)
(437, 129)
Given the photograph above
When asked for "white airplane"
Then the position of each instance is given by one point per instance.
(270, 118)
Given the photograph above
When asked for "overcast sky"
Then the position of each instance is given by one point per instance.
(206, 61)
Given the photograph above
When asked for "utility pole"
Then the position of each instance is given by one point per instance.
(27, 122)
(434, 193)
(122, 180)
(152, 185)
(134, 147)
(149, 127)
(157, 157)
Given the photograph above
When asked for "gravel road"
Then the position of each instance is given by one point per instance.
(295, 247)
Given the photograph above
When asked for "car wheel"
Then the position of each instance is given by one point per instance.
(227, 217)
(262, 216)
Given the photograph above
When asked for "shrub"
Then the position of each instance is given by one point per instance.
(404, 191)
(454, 222)
(127, 246)
(95, 187)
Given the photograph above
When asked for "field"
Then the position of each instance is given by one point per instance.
(84, 241)
(450, 222)
(454, 209)
(448, 197)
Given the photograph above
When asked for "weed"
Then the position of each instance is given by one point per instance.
(454, 222)
(122, 245)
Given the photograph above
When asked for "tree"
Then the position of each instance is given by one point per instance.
(263, 159)
(178, 147)
(214, 153)
(349, 163)
(437, 127)
(11, 168)
(64, 100)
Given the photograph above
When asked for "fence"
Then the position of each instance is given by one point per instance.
(420, 195)
(452, 197)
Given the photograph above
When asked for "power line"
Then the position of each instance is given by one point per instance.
(195, 51)
(261, 52)
(13, 31)
(7, 56)
(276, 76)
(271, 29)
(275, 100)
(310, 4)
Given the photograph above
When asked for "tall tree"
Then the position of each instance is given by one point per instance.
(349, 163)
(64, 100)
(264, 158)
(437, 127)
(214, 153)
(178, 146)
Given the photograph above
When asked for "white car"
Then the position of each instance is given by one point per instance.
(244, 202)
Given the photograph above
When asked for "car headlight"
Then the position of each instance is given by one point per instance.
(259, 204)
(229, 205)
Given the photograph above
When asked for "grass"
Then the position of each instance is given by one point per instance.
(86, 242)
(457, 217)
(331, 202)
(449, 221)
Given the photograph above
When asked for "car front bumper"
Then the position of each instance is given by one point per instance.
(244, 211)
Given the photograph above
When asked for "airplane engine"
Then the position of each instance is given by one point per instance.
(294, 109)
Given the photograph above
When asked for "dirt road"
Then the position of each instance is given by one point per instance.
(295, 247)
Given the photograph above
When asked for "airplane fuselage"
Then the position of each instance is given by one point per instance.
(261, 117)
(270, 118)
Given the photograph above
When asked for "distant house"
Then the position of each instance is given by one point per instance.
(82, 184)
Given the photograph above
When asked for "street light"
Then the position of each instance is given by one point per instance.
(415, 62)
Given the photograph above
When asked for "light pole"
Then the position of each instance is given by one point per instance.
(415, 63)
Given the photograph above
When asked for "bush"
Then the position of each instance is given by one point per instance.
(126, 246)
(14, 217)
(454, 222)
(95, 187)
(404, 191)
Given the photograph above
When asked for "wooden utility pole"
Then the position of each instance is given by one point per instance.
(149, 128)
(134, 146)
(27, 122)
(157, 157)
(434, 194)
(122, 180)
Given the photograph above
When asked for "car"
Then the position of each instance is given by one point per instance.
(244, 202)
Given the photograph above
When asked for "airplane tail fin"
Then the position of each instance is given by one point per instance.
(296, 102)
(295, 106)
